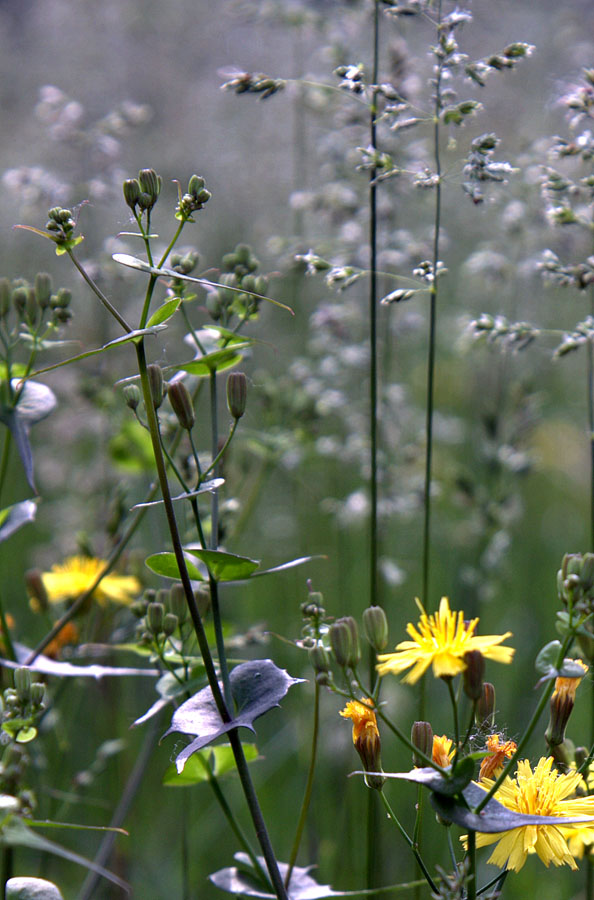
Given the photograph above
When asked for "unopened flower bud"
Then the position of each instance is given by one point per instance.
(170, 623)
(131, 188)
(43, 289)
(484, 714)
(19, 299)
(5, 295)
(154, 617)
(150, 184)
(181, 403)
(355, 653)
(132, 395)
(319, 658)
(37, 693)
(375, 625)
(473, 674)
(421, 736)
(178, 603)
(155, 376)
(236, 394)
(202, 598)
(340, 642)
(22, 683)
(62, 299)
(38, 598)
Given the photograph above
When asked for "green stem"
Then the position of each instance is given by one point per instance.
(99, 293)
(455, 715)
(410, 843)
(471, 856)
(432, 332)
(5, 458)
(308, 786)
(373, 533)
(214, 424)
(240, 760)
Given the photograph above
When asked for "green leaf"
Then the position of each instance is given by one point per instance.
(226, 566)
(25, 735)
(217, 361)
(16, 834)
(256, 686)
(228, 338)
(14, 517)
(547, 658)
(205, 487)
(165, 564)
(219, 759)
(288, 565)
(164, 312)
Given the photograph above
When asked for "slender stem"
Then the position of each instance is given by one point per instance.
(471, 856)
(373, 386)
(5, 457)
(222, 451)
(498, 878)
(308, 786)
(410, 843)
(235, 741)
(99, 293)
(214, 424)
(455, 715)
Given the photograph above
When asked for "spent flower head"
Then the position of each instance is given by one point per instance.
(442, 639)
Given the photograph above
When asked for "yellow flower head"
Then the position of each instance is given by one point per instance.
(70, 579)
(366, 739)
(363, 718)
(441, 640)
(499, 751)
(442, 751)
(542, 792)
(565, 688)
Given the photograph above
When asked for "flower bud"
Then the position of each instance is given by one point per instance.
(178, 603)
(131, 188)
(43, 289)
(340, 642)
(38, 599)
(19, 299)
(319, 658)
(484, 714)
(154, 617)
(170, 623)
(62, 299)
(355, 654)
(150, 184)
(37, 693)
(5, 296)
(421, 736)
(132, 396)
(236, 394)
(375, 625)
(181, 403)
(155, 376)
(22, 683)
(202, 598)
(473, 674)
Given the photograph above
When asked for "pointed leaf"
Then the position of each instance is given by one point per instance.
(16, 834)
(164, 312)
(217, 361)
(220, 759)
(134, 263)
(206, 487)
(14, 517)
(165, 564)
(226, 337)
(226, 566)
(288, 565)
(257, 687)
(65, 669)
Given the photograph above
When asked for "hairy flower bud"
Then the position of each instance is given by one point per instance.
(43, 289)
(5, 295)
(154, 617)
(22, 683)
(484, 715)
(132, 396)
(170, 623)
(375, 625)
(37, 693)
(340, 642)
(150, 185)
(131, 188)
(319, 658)
(473, 674)
(421, 736)
(178, 603)
(181, 402)
(236, 394)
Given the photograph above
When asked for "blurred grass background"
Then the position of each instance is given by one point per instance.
(169, 57)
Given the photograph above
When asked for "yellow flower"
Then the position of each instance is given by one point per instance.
(441, 640)
(565, 688)
(442, 751)
(70, 579)
(540, 793)
(366, 738)
(498, 752)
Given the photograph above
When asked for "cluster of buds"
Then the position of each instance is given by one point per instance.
(161, 613)
(142, 192)
(60, 225)
(194, 199)
(254, 83)
(13, 769)
(21, 705)
(35, 304)
(575, 584)
(240, 286)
